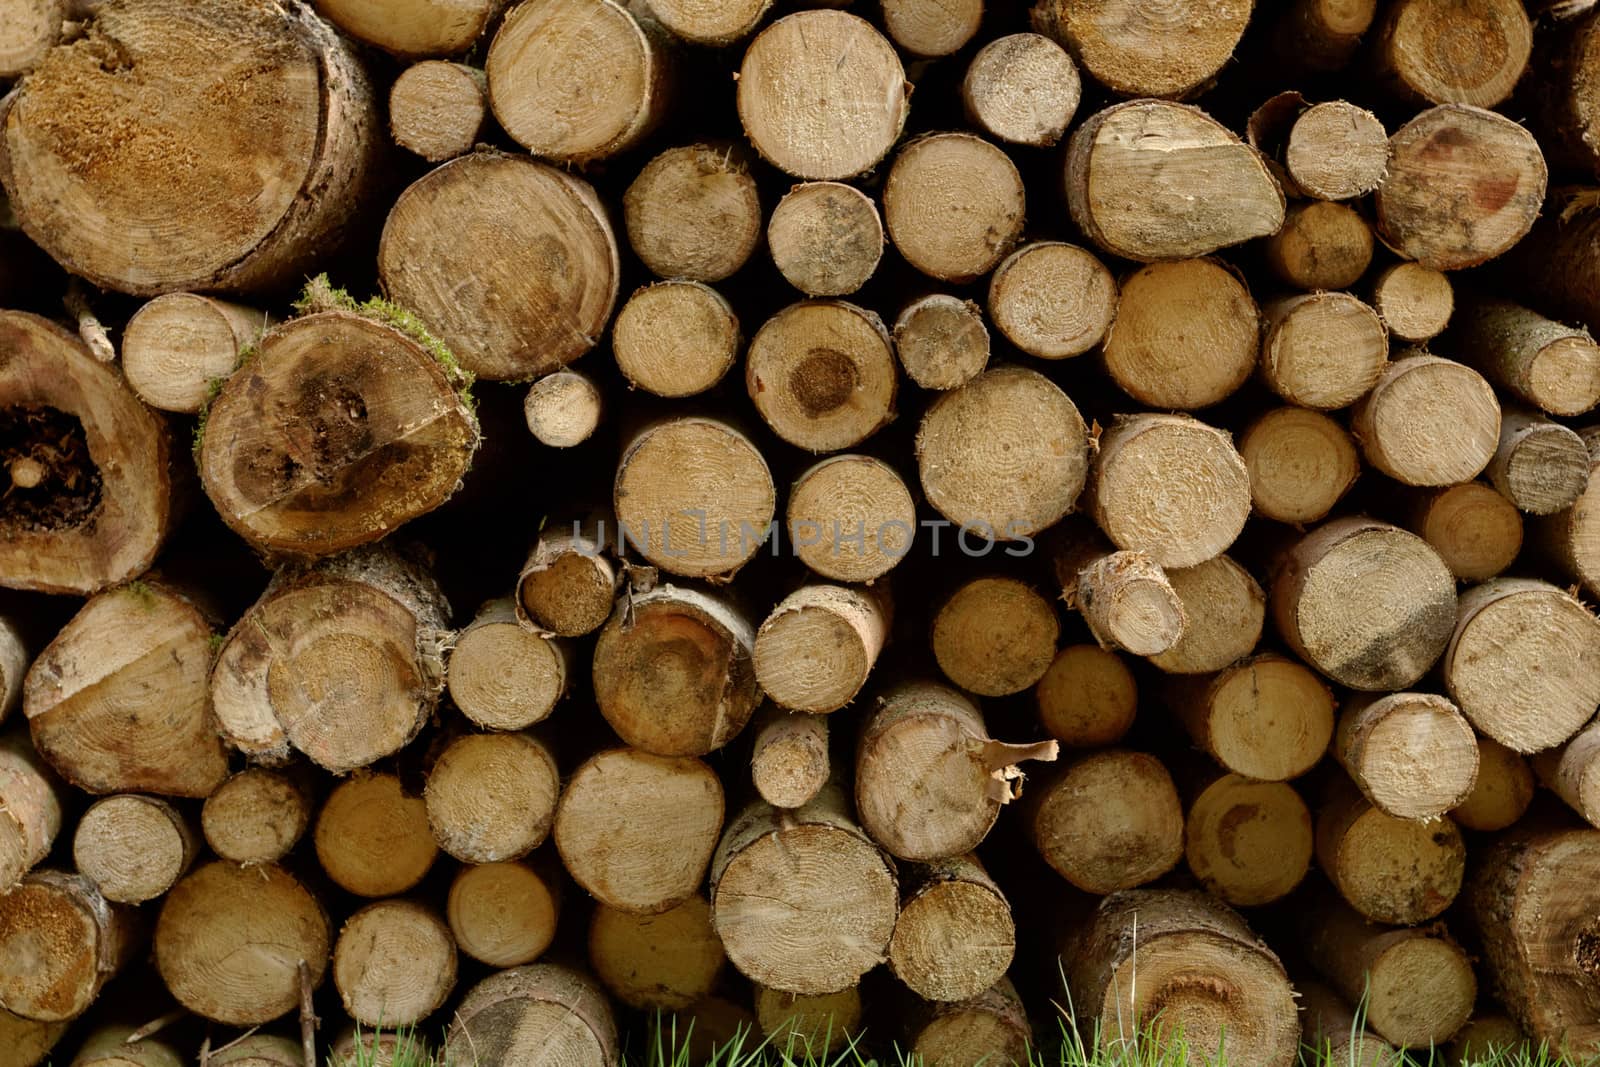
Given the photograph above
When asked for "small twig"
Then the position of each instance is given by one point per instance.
(205, 1051)
(308, 1017)
(89, 328)
(155, 1026)
(248, 1033)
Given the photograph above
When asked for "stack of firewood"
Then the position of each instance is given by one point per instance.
(678, 521)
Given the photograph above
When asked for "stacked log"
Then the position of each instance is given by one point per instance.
(1150, 575)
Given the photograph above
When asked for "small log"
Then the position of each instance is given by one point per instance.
(1485, 1037)
(30, 808)
(954, 205)
(1268, 717)
(1532, 901)
(231, 940)
(29, 1042)
(1185, 335)
(834, 58)
(90, 498)
(1322, 246)
(1552, 366)
(1337, 151)
(394, 964)
(1301, 464)
(60, 942)
(1052, 300)
(851, 518)
(1416, 985)
(1367, 604)
(133, 848)
(1225, 608)
(259, 1050)
(563, 409)
(717, 25)
(235, 191)
(1109, 820)
(694, 496)
(1140, 459)
(1322, 350)
(14, 659)
(1501, 794)
(709, 1026)
(1022, 88)
(676, 338)
(438, 110)
(810, 877)
(1201, 973)
(367, 628)
(1413, 60)
(1150, 180)
(1087, 697)
(177, 345)
(504, 914)
(1464, 185)
(825, 238)
(667, 962)
(503, 675)
(412, 28)
(1412, 755)
(1322, 35)
(569, 584)
(574, 81)
(1428, 421)
(373, 840)
(492, 797)
(674, 671)
(1475, 530)
(109, 1047)
(393, 439)
(359, 1046)
(1391, 870)
(1501, 627)
(929, 781)
(789, 761)
(1540, 466)
(1572, 772)
(1571, 538)
(536, 1013)
(31, 29)
(1415, 302)
(995, 635)
(929, 29)
(802, 1025)
(532, 216)
(257, 816)
(1005, 455)
(822, 374)
(991, 1027)
(814, 652)
(1124, 597)
(955, 936)
(1337, 1033)
(1247, 842)
(117, 702)
(693, 212)
(637, 831)
(941, 341)
(1560, 91)
(1165, 52)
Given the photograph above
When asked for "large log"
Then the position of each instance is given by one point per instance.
(492, 797)
(247, 140)
(538, 1013)
(693, 212)
(393, 964)
(1429, 51)
(60, 942)
(372, 839)
(1151, 50)
(1200, 971)
(803, 900)
(1110, 820)
(342, 660)
(90, 498)
(117, 702)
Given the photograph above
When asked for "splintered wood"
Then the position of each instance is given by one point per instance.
(842, 523)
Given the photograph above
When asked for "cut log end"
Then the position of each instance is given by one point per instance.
(790, 762)
(438, 110)
(825, 238)
(1540, 466)
(1475, 530)
(1502, 792)
(568, 586)
(675, 338)
(955, 936)
(995, 636)
(1087, 697)
(1247, 841)
(1023, 88)
(694, 213)
(256, 816)
(492, 797)
(563, 409)
(1225, 608)
(814, 1025)
(1128, 603)
(851, 518)
(393, 964)
(504, 914)
(1337, 151)
(1435, 53)
(932, 28)
(717, 25)
(822, 375)
(1323, 350)
(503, 675)
(1428, 421)
(1364, 852)
(541, 1012)
(133, 847)
(814, 652)
(1322, 246)
(1268, 718)
(373, 840)
(667, 962)
(941, 341)
(953, 204)
(178, 345)
(1144, 56)
(1052, 300)
(1385, 743)
(411, 28)
(1301, 463)
(1185, 336)
(88, 941)
(1099, 845)
(1415, 302)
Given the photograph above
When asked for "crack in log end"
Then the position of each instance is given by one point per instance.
(51, 481)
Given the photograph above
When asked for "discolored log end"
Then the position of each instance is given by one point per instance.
(1391, 870)
(941, 341)
(825, 238)
(822, 374)
(373, 840)
(1248, 842)
(668, 962)
(694, 212)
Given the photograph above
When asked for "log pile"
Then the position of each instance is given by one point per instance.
(774, 547)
